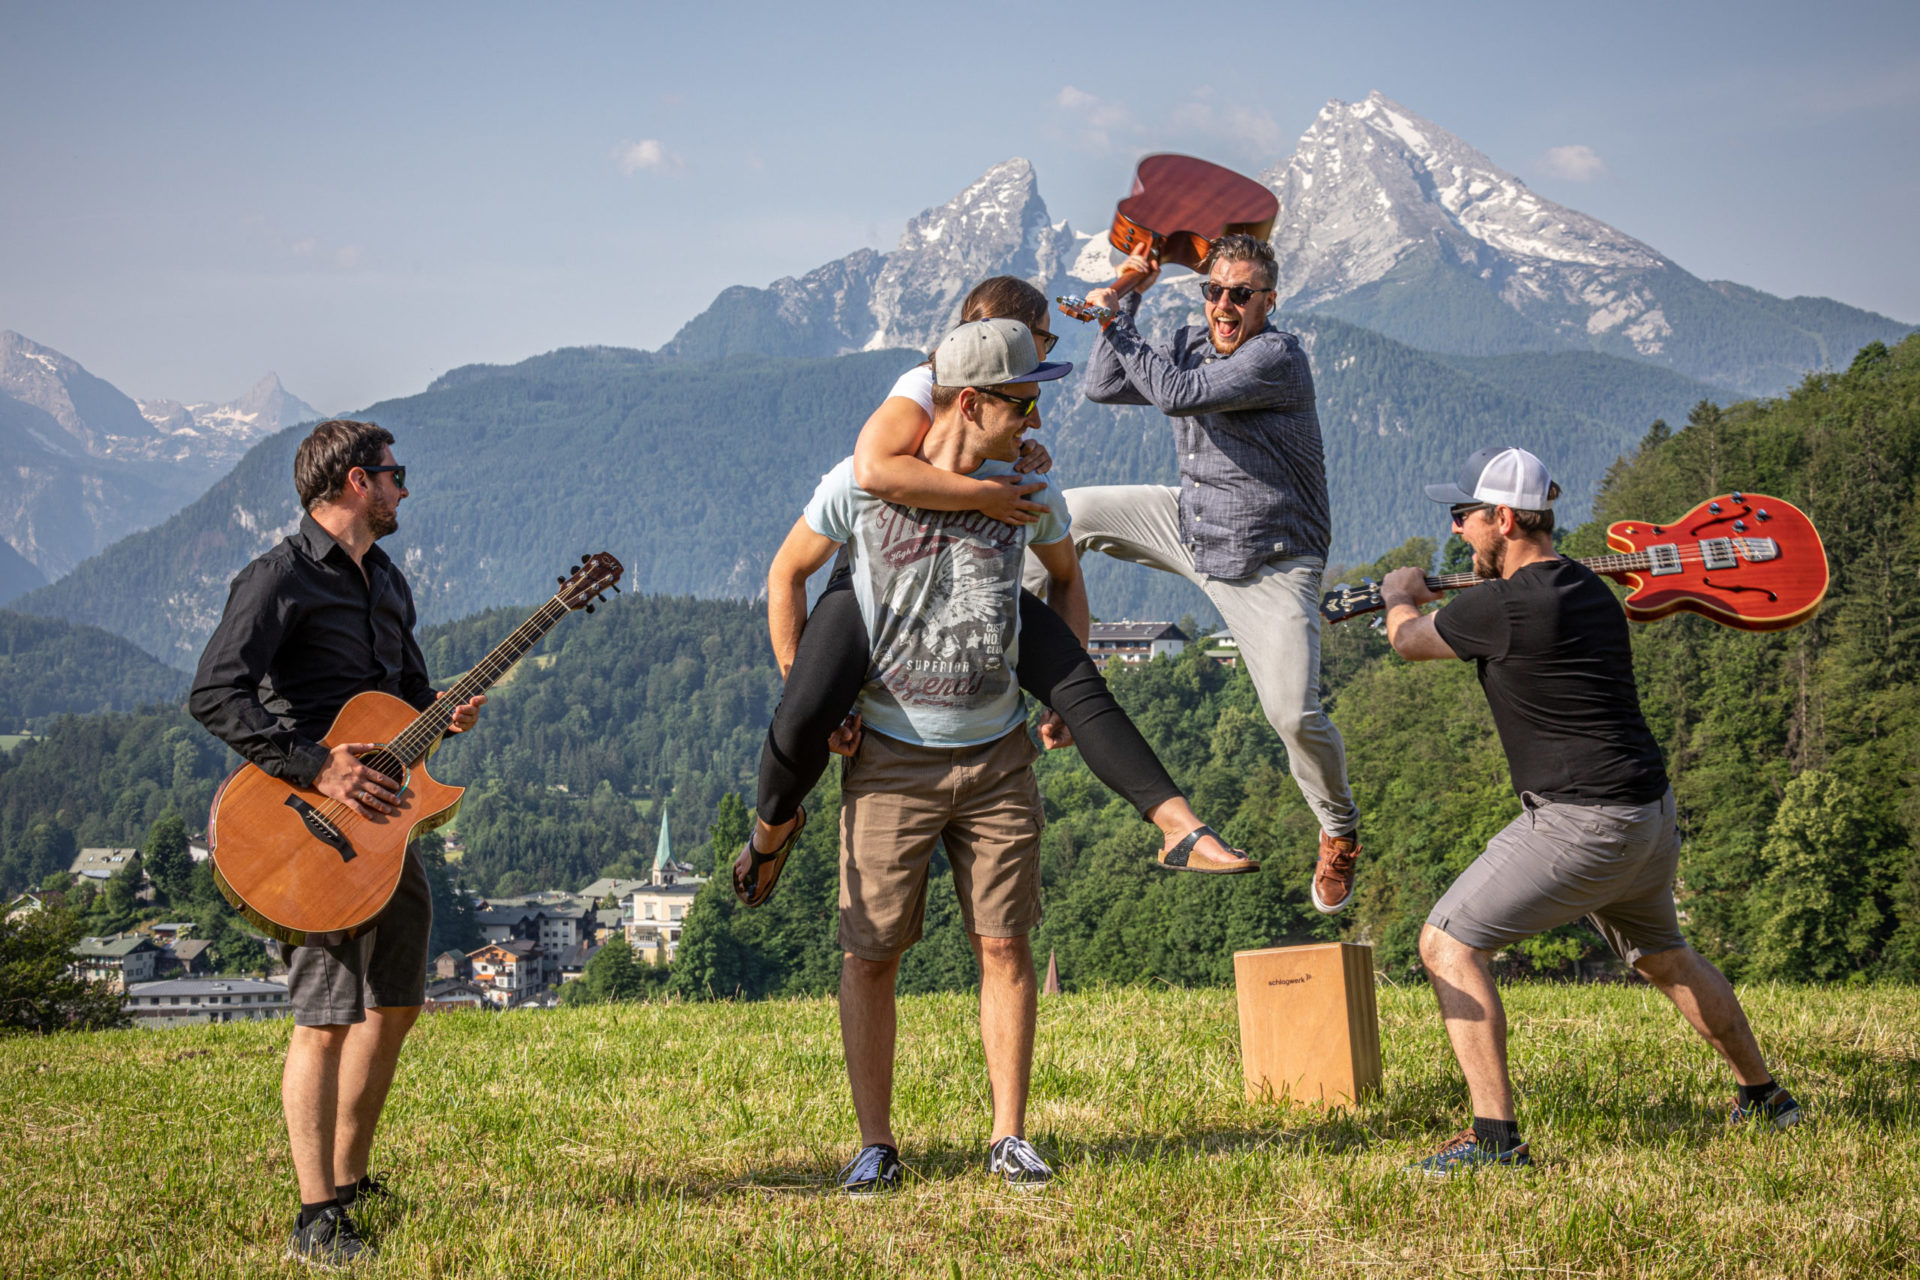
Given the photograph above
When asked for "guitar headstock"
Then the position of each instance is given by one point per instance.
(589, 581)
(1345, 602)
(1081, 309)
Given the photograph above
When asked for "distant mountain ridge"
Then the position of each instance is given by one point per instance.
(82, 464)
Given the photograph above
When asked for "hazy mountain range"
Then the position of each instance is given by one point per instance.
(1443, 302)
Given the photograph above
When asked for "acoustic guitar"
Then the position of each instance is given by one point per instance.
(1744, 560)
(308, 869)
(1179, 206)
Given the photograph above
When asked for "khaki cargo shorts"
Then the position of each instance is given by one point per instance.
(898, 801)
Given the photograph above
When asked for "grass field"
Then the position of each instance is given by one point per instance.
(668, 1140)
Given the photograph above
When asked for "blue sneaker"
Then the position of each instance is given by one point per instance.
(1778, 1108)
(1463, 1153)
(875, 1171)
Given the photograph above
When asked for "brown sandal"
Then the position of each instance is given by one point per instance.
(1175, 859)
(758, 895)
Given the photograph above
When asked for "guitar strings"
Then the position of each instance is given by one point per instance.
(412, 743)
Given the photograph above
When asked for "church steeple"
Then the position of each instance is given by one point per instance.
(664, 866)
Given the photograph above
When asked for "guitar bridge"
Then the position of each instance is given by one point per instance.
(1663, 559)
(1757, 549)
(323, 831)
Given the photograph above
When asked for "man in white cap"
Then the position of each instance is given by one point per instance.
(1595, 836)
(944, 758)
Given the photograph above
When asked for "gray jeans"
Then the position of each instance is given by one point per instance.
(1274, 615)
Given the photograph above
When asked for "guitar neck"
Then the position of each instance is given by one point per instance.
(418, 738)
(1608, 566)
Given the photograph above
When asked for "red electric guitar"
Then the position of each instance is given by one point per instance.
(1179, 207)
(1742, 559)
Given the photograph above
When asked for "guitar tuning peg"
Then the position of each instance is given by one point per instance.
(562, 579)
(1367, 582)
(589, 608)
(616, 588)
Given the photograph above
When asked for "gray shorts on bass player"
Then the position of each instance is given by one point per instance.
(1612, 863)
(383, 968)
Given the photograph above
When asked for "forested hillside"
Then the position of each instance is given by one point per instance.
(691, 473)
(49, 668)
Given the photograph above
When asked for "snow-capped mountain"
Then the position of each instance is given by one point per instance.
(82, 464)
(1386, 220)
(870, 301)
(231, 427)
(1372, 186)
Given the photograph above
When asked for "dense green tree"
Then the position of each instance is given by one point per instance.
(615, 973)
(39, 992)
(168, 860)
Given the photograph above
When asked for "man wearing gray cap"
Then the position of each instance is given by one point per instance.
(944, 758)
(1595, 836)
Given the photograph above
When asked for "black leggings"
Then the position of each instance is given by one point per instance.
(831, 665)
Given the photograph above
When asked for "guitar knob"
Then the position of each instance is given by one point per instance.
(1714, 507)
(1737, 496)
(1739, 526)
(1761, 514)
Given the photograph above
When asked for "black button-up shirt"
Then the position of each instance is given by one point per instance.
(1253, 477)
(303, 632)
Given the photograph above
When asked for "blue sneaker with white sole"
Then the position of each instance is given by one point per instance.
(1463, 1153)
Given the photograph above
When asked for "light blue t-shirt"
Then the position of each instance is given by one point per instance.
(940, 593)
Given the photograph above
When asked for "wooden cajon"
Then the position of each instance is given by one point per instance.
(1309, 1031)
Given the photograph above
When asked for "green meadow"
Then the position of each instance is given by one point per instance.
(669, 1139)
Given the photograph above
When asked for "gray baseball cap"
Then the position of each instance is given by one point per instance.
(1507, 477)
(990, 353)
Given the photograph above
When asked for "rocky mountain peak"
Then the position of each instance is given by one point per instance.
(92, 412)
(997, 226)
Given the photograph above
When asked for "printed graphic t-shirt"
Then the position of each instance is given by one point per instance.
(1553, 656)
(940, 594)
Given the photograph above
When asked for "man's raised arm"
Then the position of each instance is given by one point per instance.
(1066, 589)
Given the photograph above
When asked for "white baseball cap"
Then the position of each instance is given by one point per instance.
(990, 353)
(1509, 477)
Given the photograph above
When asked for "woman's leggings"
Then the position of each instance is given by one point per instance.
(832, 663)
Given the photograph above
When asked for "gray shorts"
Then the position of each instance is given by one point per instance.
(383, 968)
(1612, 863)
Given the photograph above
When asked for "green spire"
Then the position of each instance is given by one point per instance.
(663, 856)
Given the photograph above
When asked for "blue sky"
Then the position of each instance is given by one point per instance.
(360, 197)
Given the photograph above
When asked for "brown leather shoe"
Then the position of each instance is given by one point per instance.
(1333, 877)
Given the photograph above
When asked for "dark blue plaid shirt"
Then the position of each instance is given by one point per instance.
(1253, 477)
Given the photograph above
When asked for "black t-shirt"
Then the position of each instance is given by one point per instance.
(1553, 655)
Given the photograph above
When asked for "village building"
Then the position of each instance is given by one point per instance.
(1133, 642)
(119, 961)
(452, 966)
(99, 865)
(183, 1002)
(449, 994)
(510, 973)
(654, 912)
(1222, 648)
(189, 957)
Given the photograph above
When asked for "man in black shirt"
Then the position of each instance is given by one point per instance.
(1595, 836)
(321, 617)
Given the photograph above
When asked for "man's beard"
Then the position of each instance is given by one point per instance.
(382, 520)
(1489, 562)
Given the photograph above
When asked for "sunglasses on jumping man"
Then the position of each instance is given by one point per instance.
(1240, 294)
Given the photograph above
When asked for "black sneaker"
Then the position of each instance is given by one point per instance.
(1018, 1164)
(873, 1172)
(329, 1242)
(1777, 1108)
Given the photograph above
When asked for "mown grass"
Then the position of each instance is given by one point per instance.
(673, 1140)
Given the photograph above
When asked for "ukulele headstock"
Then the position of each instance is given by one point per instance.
(1345, 602)
(589, 581)
(1081, 309)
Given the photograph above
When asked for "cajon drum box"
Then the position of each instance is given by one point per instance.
(1308, 1028)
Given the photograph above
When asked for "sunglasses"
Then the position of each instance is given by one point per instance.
(399, 473)
(1461, 513)
(1023, 406)
(1240, 294)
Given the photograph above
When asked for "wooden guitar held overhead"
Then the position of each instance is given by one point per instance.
(308, 869)
(1744, 560)
(1179, 207)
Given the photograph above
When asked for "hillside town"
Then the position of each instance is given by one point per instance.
(533, 945)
